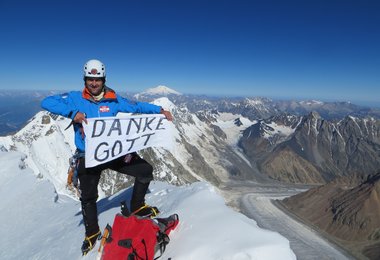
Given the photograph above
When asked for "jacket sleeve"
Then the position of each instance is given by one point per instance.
(60, 104)
(137, 107)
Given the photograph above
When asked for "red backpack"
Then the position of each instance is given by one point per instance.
(135, 238)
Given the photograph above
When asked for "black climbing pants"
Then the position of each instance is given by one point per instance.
(89, 180)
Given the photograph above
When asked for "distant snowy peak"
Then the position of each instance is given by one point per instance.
(311, 103)
(258, 101)
(160, 90)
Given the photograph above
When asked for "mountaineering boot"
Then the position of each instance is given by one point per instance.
(90, 219)
(90, 241)
(146, 211)
(138, 206)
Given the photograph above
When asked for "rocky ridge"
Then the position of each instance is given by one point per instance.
(310, 149)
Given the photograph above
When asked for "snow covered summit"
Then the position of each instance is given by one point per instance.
(38, 223)
(42, 219)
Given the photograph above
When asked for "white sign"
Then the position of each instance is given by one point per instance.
(108, 138)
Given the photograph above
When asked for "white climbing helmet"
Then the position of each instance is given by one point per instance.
(94, 69)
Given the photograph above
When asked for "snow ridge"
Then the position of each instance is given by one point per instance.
(207, 230)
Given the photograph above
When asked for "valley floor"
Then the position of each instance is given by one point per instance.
(256, 201)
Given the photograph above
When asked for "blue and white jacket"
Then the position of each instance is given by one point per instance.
(69, 104)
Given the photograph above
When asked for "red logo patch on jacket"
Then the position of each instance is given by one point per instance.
(104, 109)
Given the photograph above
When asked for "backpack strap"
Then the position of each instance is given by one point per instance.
(162, 241)
(166, 225)
(127, 243)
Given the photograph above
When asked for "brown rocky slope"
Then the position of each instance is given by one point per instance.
(350, 215)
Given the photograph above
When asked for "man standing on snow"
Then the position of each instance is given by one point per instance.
(97, 100)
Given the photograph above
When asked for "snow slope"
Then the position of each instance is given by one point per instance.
(37, 223)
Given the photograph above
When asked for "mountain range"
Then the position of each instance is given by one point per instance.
(310, 149)
(18, 106)
(249, 139)
(219, 140)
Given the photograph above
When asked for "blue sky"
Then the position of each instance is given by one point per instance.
(328, 50)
